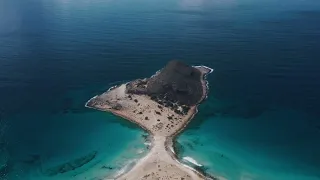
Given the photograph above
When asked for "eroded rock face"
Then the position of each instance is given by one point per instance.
(176, 82)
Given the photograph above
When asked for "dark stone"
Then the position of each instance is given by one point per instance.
(107, 167)
(135, 100)
(157, 112)
(185, 109)
(146, 118)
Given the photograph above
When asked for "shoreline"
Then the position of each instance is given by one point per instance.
(205, 86)
(168, 141)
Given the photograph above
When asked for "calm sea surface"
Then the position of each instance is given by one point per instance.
(260, 122)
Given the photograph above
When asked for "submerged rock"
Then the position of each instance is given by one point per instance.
(71, 165)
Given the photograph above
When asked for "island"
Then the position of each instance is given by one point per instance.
(162, 105)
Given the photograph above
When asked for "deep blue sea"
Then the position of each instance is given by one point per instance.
(261, 120)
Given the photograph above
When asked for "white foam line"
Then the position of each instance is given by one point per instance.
(126, 168)
(140, 151)
(211, 70)
(171, 148)
(191, 160)
(86, 105)
(184, 165)
(205, 76)
(156, 73)
(112, 87)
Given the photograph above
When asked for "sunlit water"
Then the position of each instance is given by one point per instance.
(260, 122)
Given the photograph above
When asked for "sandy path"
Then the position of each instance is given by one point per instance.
(159, 164)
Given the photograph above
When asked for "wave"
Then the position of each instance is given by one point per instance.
(191, 160)
(126, 168)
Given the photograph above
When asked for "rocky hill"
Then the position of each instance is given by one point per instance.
(175, 83)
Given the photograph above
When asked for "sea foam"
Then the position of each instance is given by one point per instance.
(191, 160)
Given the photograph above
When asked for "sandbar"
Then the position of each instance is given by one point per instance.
(161, 117)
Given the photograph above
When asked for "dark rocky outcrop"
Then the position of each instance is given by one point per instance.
(176, 82)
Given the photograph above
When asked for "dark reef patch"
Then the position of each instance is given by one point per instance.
(71, 165)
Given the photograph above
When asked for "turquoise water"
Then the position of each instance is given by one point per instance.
(261, 120)
(274, 144)
(116, 146)
(40, 140)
